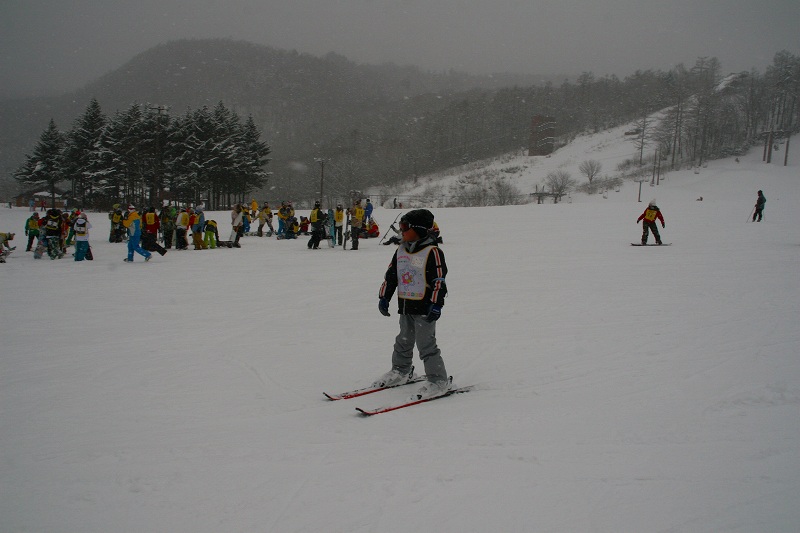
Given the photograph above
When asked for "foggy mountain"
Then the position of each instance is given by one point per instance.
(299, 101)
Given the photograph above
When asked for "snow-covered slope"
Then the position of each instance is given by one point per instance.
(617, 388)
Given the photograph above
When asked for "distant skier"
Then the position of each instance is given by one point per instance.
(417, 272)
(650, 215)
(760, 202)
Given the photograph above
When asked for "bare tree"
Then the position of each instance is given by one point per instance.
(506, 193)
(560, 183)
(642, 138)
(590, 168)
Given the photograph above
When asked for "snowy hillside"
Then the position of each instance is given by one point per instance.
(616, 388)
(608, 148)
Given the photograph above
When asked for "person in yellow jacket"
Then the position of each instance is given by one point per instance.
(265, 217)
(317, 218)
(211, 234)
(338, 222)
(356, 222)
(253, 208)
(181, 227)
(32, 229)
(133, 222)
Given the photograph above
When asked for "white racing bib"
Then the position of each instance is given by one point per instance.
(411, 283)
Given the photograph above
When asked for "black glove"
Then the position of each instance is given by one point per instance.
(434, 313)
(383, 306)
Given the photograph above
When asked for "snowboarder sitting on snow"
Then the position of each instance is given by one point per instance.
(372, 230)
(650, 215)
(304, 222)
(4, 238)
(117, 231)
(395, 239)
(290, 229)
(5, 248)
(417, 273)
(760, 202)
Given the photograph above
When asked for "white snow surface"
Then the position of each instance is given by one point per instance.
(617, 388)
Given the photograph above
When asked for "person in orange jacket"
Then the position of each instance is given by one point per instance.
(650, 215)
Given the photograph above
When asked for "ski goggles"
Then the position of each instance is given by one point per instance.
(405, 226)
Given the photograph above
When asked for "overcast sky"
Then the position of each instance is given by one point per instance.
(49, 46)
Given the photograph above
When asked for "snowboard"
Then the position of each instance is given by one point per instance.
(331, 226)
(41, 246)
(654, 244)
(346, 232)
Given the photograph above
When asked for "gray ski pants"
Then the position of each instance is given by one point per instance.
(415, 329)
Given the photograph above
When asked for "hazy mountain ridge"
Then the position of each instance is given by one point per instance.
(298, 100)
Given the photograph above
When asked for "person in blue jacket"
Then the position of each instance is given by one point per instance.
(134, 224)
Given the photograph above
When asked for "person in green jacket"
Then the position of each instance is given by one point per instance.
(32, 229)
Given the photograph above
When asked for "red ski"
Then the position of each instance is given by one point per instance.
(368, 390)
(409, 403)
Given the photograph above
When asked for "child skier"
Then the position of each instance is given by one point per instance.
(417, 273)
(650, 215)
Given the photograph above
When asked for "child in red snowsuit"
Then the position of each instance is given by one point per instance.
(650, 215)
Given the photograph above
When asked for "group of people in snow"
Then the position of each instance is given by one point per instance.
(652, 214)
(57, 230)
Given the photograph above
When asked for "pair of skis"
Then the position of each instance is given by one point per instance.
(395, 406)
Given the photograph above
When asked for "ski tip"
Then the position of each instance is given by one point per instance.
(331, 396)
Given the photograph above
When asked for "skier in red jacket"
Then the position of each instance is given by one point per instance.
(650, 215)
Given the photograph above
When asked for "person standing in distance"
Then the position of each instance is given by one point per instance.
(417, 273)
(760, 202)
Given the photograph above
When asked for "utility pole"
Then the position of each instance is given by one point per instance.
(640, 180)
